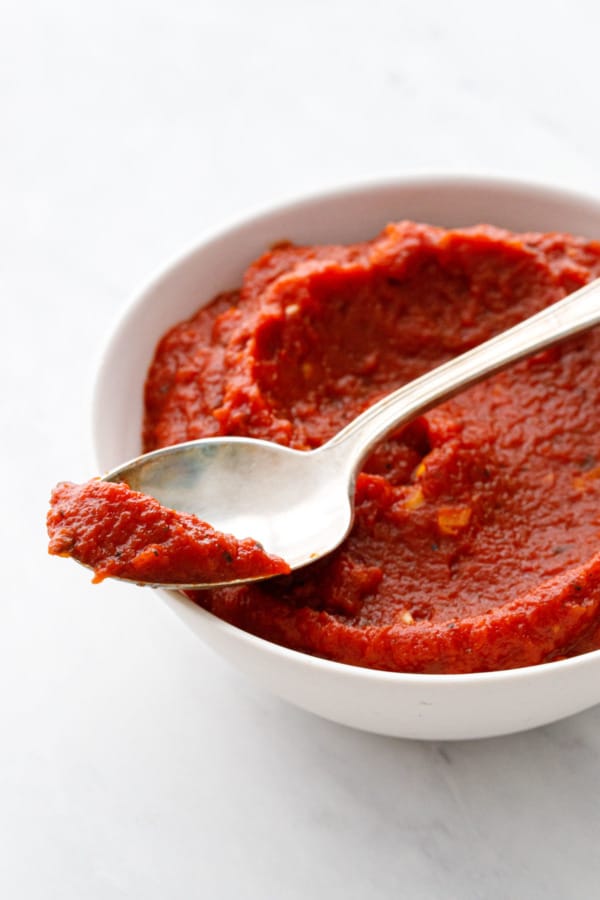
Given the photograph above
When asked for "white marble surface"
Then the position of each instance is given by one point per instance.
(133, 762)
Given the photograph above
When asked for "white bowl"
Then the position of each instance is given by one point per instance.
(440, 707)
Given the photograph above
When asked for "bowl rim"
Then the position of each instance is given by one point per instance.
(255, 216)
(295, 203)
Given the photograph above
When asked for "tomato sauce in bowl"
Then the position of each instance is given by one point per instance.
(475, 544)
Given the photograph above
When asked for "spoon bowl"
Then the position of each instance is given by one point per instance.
(296, 504)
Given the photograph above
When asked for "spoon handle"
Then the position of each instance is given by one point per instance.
(576, 312)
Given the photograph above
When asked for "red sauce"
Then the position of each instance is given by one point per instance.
(120, 532)
(476, 542)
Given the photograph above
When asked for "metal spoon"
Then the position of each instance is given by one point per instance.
(299, 504)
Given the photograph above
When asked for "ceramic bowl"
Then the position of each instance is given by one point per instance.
(440, 707)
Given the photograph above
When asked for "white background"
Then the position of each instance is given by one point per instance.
(133, 762)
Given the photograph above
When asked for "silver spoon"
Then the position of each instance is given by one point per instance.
(299, 504)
